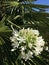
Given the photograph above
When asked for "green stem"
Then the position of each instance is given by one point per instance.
(13, 24)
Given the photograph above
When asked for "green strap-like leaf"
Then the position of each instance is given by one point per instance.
(1, 41)
(35, 6)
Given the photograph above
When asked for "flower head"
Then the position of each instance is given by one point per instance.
(28, 41)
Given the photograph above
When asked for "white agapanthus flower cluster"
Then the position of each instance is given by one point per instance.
(28, 41)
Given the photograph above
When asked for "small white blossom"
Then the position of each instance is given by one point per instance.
(17, 0)
(28, 55)
(15, 45)
(47, 48)
(21, 39)
(38, 50)
(36, 32)
(23, 55)
(13, 49)
(15, 33)
(40, 41)
(30, 45)
(23, 48)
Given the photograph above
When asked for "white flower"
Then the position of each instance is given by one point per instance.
(23, 55)
(29, 55)
(21, 39)
(28, 41)
(38, 50)
(15, 33)
(40, 41)
(12, 39)
(13, 49)
(30, 45)
(15, 45)
(36, 32)
(17, 0)
(26, 56)
(23, 48)
(47, 48)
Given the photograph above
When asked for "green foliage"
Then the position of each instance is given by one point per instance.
(22, 14)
